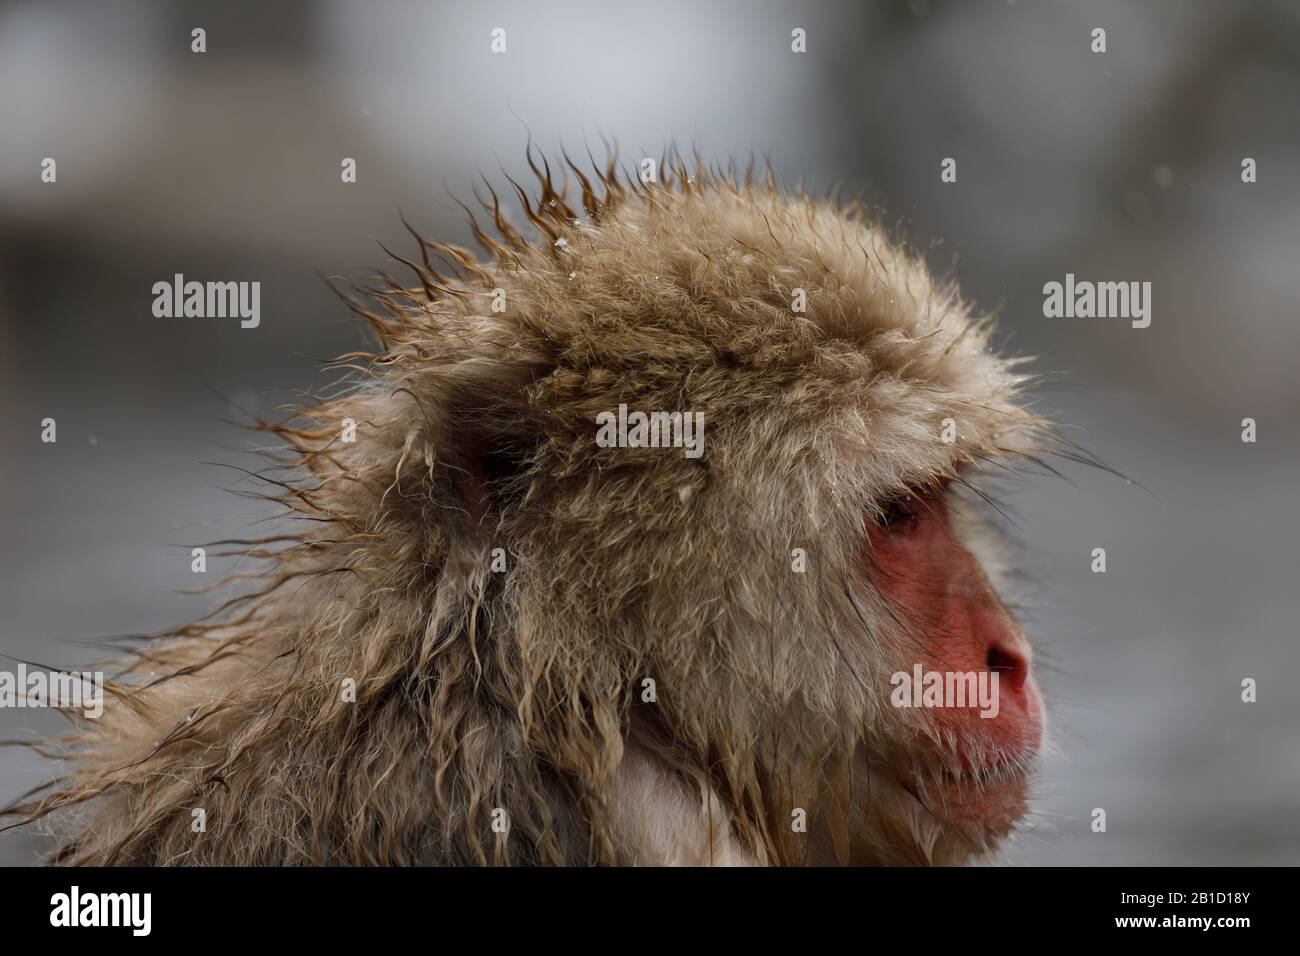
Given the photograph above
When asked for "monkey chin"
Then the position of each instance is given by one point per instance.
(980, 807)
(955, 820)
(979, 804)
(962, 807)
(981, 813)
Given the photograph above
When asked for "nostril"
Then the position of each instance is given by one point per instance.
(1010, 667)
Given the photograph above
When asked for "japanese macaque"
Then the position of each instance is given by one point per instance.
(486, 637)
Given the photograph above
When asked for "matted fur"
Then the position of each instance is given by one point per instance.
(520, 691)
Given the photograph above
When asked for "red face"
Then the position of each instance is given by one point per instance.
(974, 768)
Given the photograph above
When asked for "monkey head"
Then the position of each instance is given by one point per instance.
(729, 635)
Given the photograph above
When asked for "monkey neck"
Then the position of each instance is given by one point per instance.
(659, 820)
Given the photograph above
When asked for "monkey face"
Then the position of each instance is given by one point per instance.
(978, 713)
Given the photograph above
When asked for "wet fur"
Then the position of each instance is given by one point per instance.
(522, 690)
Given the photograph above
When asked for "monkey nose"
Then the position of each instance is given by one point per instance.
(1007, 724)
(1010, 664)
(1017, 729)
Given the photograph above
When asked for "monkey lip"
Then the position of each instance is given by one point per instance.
(985, 804)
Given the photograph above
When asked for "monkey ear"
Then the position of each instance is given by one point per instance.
(488, 452)
(492, 481)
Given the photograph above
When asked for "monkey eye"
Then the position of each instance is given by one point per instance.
(900, 513)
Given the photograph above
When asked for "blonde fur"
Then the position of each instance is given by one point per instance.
(520, 691)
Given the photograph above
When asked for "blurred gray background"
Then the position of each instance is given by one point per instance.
(1121, 166)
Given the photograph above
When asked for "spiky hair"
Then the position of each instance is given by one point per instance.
(521, 691)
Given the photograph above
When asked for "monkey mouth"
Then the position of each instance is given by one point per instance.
(982, 805)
